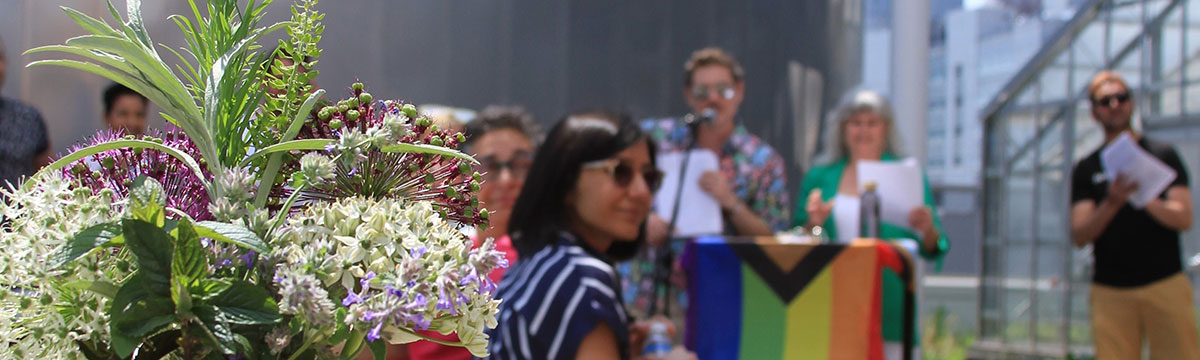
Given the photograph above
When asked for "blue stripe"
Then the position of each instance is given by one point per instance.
(716, 302)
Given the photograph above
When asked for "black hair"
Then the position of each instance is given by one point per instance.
(115, 91)
(540, 211)
(495, 117)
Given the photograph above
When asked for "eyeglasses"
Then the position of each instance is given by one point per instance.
(1112, 100)
(623, 173)
(724, 90)
(519, 165)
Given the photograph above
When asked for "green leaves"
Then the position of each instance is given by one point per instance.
(153, 249)
(429, 149)
(189, 261)
(84, 242)
(140, 308)
(233, 234)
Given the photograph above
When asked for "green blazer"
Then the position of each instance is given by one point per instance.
(827, 178)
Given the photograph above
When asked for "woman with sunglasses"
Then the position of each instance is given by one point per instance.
(863, 129)
(583, 206)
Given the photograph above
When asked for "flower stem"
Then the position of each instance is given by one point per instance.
(283, 212)
(304, 347)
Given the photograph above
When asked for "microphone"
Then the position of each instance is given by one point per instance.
(706, 116)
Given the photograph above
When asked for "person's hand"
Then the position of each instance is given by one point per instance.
(921, 219)
(818, 211)
(638, 332)
(656, 230)
(1120, 189)
(680, 353)
(715, 185)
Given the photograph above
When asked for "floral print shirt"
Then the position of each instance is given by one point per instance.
(757, 172)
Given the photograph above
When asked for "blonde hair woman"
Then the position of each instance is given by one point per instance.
(862, 129)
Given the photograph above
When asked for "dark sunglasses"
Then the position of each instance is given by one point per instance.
(519, 165)
(1112, 100)
(623, 173)
(701, 91)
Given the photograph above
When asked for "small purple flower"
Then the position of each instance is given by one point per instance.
(419, 301)
(374, 333)
(352, 299)
(225, 263)
(248, 258)
(394, 292)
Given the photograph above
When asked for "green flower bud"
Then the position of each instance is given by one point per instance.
(26, 303)
(108, 163)
(429, 178)
(325, 113)
(476, 176)
(357, 86)
(352, 102)
(365, 98)
(409, 110)
(475, 185)
(437, 141)
(485, 214)
(460, 137)
(46, 299)
(352, 115)
(336, 124)
(464, 168)
(451, 193)
(342, 107)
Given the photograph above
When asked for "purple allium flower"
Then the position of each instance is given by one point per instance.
(116, 169)
(449, 183)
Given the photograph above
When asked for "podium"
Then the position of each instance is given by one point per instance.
(769, 298)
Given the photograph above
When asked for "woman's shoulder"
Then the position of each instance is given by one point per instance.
(825, 170)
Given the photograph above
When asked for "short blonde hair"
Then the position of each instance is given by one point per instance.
(1102, 78)
(712, 56)
(854, 102)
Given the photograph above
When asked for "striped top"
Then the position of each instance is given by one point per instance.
(552, 300)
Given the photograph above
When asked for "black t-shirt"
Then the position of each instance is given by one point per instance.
(1134, 249)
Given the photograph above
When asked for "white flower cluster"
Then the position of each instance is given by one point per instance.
(399, 265)
(44, 311)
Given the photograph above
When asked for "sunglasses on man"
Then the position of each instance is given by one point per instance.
(1112, 100)
(724, 90)
(623, 173)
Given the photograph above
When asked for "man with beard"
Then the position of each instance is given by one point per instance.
(1139, 290)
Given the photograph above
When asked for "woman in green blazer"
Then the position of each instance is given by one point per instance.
(862, 129)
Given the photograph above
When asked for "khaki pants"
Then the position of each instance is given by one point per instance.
(1160, 312)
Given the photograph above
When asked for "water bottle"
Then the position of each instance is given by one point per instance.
(868, 215)
(658, 344)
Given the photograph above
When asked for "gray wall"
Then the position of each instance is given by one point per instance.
(548, 56)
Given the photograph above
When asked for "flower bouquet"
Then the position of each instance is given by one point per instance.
(265, 223)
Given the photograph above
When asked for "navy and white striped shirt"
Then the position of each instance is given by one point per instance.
(552, 300)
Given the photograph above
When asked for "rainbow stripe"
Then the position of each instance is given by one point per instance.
(764, 300)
